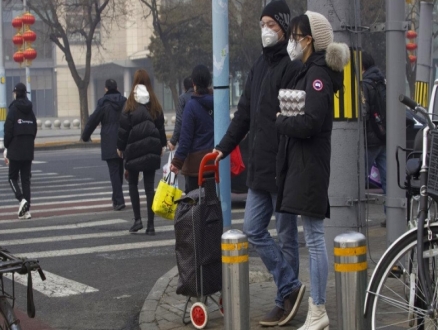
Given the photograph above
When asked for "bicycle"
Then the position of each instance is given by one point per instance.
(12, 264)
(403, 291)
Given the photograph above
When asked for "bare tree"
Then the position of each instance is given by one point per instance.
(76, 23)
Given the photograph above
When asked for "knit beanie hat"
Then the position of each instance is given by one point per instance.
(279, 11)
(322, 32)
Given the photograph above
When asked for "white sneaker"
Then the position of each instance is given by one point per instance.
(23, 207)
(26, 216)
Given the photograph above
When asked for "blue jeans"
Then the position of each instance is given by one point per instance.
(281, 260)
(318, 261)
(377, 155)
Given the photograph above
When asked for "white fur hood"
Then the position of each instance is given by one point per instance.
(337, 56)
(141, 94)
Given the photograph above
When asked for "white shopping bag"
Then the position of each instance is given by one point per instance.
(166, 170)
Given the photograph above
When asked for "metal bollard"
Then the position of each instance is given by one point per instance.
(350, 253)
(235, 280)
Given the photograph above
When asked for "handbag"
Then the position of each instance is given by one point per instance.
(236, 162)
(163, 204)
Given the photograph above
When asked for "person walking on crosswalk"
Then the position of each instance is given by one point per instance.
(19, 139)
(107, 113)
(140, 142)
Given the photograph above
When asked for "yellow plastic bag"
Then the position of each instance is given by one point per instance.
(165, 195)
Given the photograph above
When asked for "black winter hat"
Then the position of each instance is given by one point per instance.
(111, 84)
(20, 87)
(279, 11)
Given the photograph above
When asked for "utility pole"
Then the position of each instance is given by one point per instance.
(424, 62)
(3, 111)
(347, 178)
(29, 94)
(221, 86)
(396, 118)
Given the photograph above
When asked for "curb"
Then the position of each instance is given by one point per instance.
(146, 319)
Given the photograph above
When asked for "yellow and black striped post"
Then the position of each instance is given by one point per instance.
(422, 93)
(351, 266)
(235, 280)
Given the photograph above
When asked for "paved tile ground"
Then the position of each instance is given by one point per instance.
(164, 308)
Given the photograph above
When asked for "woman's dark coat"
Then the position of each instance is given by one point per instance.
(303, 160)
(141, 138)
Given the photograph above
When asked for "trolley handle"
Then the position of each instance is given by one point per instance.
(204, 167)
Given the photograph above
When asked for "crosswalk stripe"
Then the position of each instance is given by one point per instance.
(34, 175)
(63, 227)
(63, 191)
(54, 285)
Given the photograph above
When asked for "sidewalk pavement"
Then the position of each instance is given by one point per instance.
(163, 308)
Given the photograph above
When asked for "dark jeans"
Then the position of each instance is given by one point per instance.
(115, 167)
(23, 167)
(149, 185)
(191, 183)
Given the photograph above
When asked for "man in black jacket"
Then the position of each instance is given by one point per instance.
(107, 113)
(255, 116)
(19, 139)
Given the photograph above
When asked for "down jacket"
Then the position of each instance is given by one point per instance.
(20, 130)
(140, 137)
(255, 115)
(107, 113)
(303, 160)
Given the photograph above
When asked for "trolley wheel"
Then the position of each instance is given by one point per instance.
(199, 315)
(221, 306)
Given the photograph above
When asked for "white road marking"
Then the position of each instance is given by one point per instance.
(54, 285)
(82, 167)
(63, 227)
(63, 191)
(34, 175)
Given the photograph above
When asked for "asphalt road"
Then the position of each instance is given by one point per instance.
(98, 274)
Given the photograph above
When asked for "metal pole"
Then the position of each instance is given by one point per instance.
(396, 117)
(235, 280)
(29, 91)
(3, 110)
(347, 177)
(424, 61)
(350, 253)
(221, 81)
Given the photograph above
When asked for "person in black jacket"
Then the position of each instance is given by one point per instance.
(19, 139)
(303, 160)
(255, 116)
(107, 113)
(375, 147)
(184, 98)
(141, 140)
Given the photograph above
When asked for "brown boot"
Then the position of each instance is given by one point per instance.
(271, 319)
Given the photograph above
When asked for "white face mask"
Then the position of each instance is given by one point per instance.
(269, 37)
(295, 50)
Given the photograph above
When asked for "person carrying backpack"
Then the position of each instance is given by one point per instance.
(374, 101)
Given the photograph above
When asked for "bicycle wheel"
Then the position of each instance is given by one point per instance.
(394, 298)
(8, 320)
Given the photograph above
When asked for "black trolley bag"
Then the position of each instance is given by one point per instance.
(198, 231)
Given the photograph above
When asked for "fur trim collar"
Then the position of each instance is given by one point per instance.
(337, 56)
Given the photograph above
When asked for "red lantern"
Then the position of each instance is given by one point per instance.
(411, 34)
(412, 58)
(18, 40)
(17, 22)
(30, 54)
(29, 36)
(19, 57)
(28, 19)
(411, 46)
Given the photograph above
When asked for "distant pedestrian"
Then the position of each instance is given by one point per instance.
(141, 140)
(303, 160)
(107, 113)
(373, 82)
(184, 98)
(19, 139)
(197, 130)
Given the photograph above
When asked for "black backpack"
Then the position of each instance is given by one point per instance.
(377, 118)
